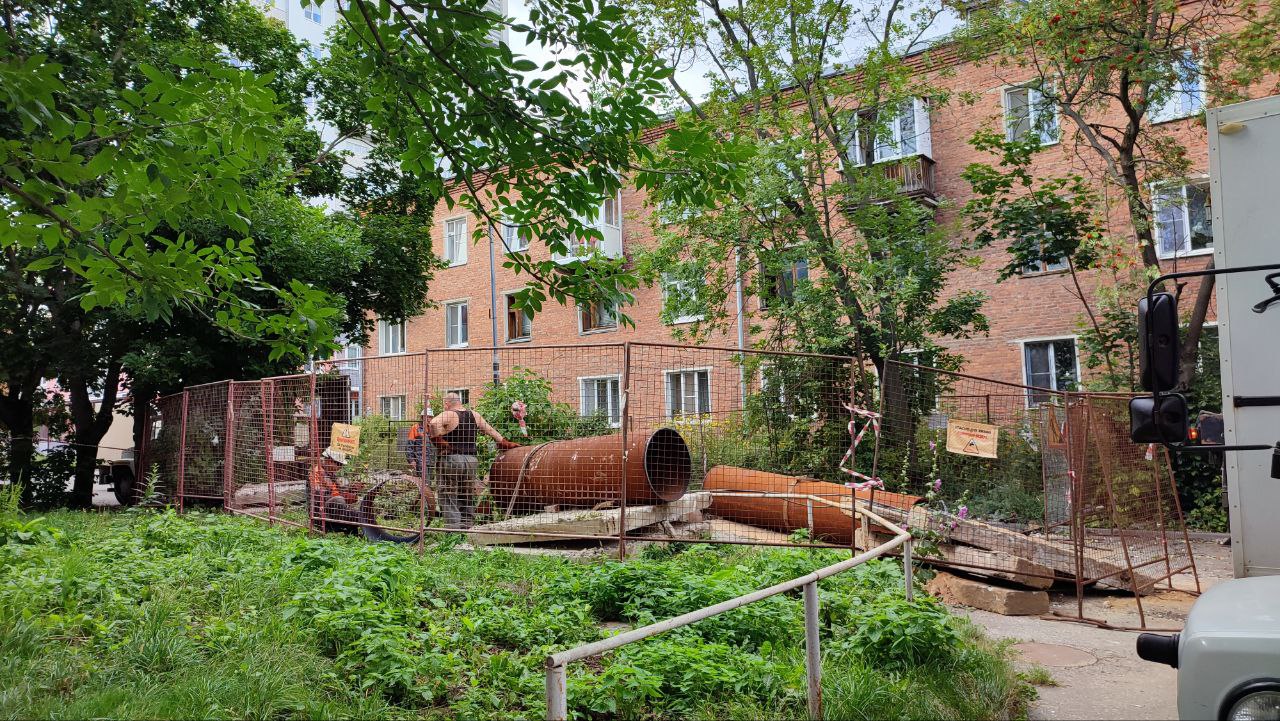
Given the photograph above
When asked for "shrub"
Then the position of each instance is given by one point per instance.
(897, 633)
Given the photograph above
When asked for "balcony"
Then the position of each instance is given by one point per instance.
(609, 246)
(914, 177)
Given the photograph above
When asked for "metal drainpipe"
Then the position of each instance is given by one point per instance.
(493, 306)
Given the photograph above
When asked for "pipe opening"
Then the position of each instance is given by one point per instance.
(668, 465)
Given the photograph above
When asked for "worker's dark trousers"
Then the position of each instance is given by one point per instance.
(458, 490)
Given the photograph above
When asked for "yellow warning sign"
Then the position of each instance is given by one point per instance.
(972, 439)
(345, 438)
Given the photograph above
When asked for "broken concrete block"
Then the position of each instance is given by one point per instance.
(988, 597)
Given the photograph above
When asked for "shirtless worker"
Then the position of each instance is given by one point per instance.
(454, 433)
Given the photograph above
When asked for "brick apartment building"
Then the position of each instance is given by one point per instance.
(1034, 318)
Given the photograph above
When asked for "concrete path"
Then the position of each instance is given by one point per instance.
(1098, 671)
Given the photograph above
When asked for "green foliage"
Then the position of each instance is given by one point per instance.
(821, 234)
(202, 615)
(894, 632)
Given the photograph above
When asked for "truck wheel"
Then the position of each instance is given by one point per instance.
(392, 502)
(123, 486)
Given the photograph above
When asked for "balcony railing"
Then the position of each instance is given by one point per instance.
(913, 175)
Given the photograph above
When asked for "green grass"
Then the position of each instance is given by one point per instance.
(154, 615)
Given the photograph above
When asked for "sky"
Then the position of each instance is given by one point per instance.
(692, 76)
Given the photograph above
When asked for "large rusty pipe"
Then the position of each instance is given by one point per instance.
(790, 503)
(584, 472)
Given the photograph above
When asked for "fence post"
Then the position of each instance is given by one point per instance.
(313, 438)
(228, 458)
(182, 452)
(557, 693)
(812, 652)
(908, 572)
(626, 422)
(422, 457)
(140, 474)
(265, 388)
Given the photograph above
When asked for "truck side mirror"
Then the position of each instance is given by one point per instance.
(1158, 361)
(1166, 424)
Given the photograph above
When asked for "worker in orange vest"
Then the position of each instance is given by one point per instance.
(414, 450)
(331, 503)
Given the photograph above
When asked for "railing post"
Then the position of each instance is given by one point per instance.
(812, 652)
(907, 570)
(228, 444)
(557, 693)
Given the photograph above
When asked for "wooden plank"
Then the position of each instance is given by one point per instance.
(526, 529)
(1061, 557)
(1003, 567)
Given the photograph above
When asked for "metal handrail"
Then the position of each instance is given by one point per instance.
(557, 678)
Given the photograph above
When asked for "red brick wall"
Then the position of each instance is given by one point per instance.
(1033, 307)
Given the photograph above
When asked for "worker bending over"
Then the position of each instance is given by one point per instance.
(454, 433)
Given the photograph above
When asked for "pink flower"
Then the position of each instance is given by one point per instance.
(963, 513)
(937, 485)
(933, 446)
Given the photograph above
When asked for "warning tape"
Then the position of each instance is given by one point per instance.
(855, 436)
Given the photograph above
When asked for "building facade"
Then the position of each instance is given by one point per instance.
(1034, 318)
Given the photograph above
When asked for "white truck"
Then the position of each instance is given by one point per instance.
(1228, 653)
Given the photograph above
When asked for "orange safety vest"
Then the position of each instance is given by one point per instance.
(415, 433)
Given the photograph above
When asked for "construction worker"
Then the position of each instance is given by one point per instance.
(454, 433)
(413, 450)
(329, 502)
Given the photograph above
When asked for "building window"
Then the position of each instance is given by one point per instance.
(312, 13)
(1040, 265)
(515, 238)
(392, 407)
(783, 285)
(1026, 111)
(390, 338)
(903, 135)
(350, 365)
(680, 298)
(455, 324)
(688, 393)
(611, 212)
(455, 241)
(1050, 364)
(598, 316)
(1183, 223)
(1185, 95)
(519, 322)
(602, 396)
(464, 394)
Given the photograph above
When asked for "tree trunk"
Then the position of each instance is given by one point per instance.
(17, 410)
(1139, 215)
(1195, 327)
(90, 426)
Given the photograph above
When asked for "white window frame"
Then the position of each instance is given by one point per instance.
(385, 346)
(616, 220)
(1200, 181)
(614, 401)
(506, 320)
(385, 405)
(455, 244)
(915, 108)
(582, 328)
(668, 284)
(1164, 113)
(313, 13)
(666, 392)
(513, 240)
(1022, 352)
(448, 334)
(1033, 115)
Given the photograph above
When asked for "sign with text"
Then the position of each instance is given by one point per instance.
(345, 438)
(972, 439)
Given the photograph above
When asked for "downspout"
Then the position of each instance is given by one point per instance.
(493, 306)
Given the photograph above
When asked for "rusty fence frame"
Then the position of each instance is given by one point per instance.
(178, 410)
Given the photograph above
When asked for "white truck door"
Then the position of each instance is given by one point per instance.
(1244, 167)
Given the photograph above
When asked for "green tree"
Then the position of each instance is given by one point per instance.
(538, 146)
(1109, 66)
(840, 258)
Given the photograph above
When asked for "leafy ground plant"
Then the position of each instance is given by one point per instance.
(152, 614)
